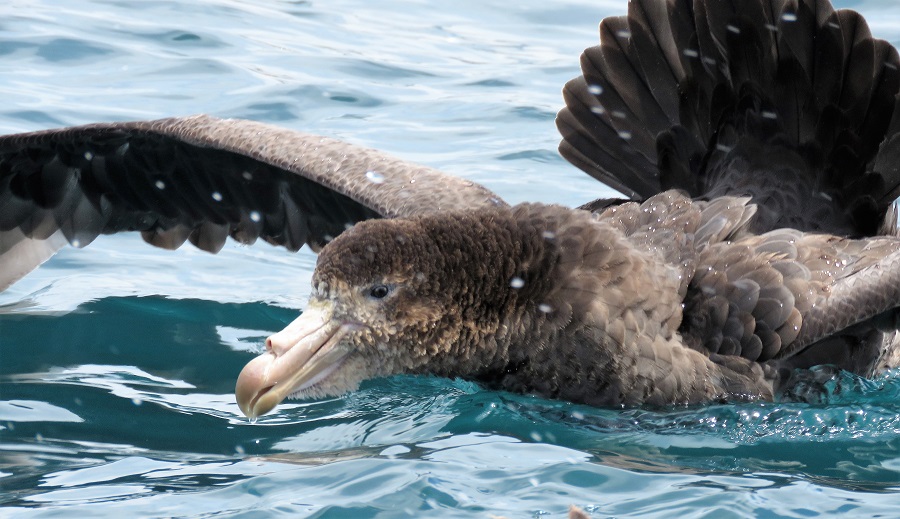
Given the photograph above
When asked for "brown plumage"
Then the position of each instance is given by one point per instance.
(758, 142)
(545, 300)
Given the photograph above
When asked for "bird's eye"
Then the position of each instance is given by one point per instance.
(379, 291)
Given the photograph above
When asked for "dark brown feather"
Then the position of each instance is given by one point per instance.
(761, 83)
(204, 179)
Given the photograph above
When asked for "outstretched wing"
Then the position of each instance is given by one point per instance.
(787, 101)
(201, 179)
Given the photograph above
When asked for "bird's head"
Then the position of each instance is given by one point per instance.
(394, 296)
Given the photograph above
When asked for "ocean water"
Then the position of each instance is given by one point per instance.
(118, 361)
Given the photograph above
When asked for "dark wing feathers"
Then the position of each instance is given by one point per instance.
(202, 179)
(887, 162)
(631, 110)
(705, 92)
(664, 62)
(626, 171)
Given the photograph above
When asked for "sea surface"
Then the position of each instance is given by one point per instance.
(118, 361)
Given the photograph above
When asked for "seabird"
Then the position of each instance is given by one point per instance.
(756, 142)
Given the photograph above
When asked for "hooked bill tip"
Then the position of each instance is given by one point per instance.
(251, 387)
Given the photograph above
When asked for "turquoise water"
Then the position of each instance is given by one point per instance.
(117, 362)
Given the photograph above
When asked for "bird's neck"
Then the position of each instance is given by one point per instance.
(565, 309)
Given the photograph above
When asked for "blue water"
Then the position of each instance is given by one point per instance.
(117, 362)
